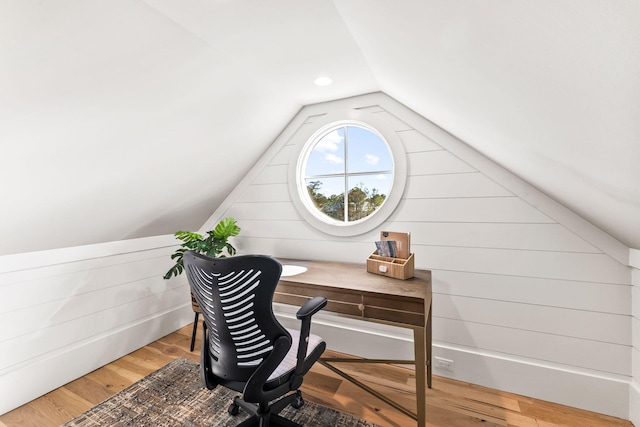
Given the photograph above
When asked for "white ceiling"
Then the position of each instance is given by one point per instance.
(133, 118)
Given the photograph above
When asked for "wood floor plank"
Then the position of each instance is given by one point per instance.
(26, 416)
(135, 366)
(476, 392)
(61, 405)
(450, 403)
(173, 350)
(565, 415)
(322, 383)
(108, 378)
(130, 376)
(147, 357)
(89, 390)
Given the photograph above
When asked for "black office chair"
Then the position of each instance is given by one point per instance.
(244, 347)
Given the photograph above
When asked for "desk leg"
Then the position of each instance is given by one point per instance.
(428, 334)
(420, 352)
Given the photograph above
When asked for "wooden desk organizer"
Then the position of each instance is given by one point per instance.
(398, 268)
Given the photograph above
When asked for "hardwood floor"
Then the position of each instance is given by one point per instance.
(449, 403)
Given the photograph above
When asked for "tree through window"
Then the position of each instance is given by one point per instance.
(348, 173)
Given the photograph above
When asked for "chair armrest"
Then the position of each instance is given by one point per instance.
(311, 307)
(304, 314)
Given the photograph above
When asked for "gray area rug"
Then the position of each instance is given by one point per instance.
(174, 396)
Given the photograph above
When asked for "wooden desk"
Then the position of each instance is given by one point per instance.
(353, 292)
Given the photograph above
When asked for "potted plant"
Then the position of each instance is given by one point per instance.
(213, 244)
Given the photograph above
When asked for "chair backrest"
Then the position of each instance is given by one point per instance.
(235, 295)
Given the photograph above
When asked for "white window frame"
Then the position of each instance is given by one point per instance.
(298, 188)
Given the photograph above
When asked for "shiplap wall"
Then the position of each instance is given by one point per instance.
(528, 297)
(67, 312)
(634, 388)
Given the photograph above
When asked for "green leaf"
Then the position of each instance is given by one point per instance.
(176, 270)
(213, 245)
(187, 236)
(230, 249)
(226, 228)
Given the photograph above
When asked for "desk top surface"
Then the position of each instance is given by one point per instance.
(354, 277)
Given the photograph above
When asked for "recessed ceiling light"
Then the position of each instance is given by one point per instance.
(323, 81)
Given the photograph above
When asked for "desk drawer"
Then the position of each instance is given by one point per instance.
(310, 291)
(401, 317)
(412, 305)
(365, 305)
(342, 307)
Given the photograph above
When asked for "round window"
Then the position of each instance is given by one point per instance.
(346, 173)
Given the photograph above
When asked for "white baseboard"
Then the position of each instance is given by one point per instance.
(589, 390)
(634, 403)
(29, 381)
(598, 392)
(606, 394)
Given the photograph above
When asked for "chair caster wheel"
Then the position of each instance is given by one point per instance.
(298, 401)
(233, 409)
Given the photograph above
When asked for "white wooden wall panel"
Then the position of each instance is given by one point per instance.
(635, 351)
(280, 230)
(577, 352)
(397, 123)
(99, 251)
(415, 142)
(24, 383)
(436, 162)
(34, 270)
(325, 250)
(276, 174)
(605, 327)
(264, 211)
(70, 311)
(283, 156)
(541, 237)
(266, 193)
(453, 185)
(298, 230)
(552, 265)
(634, 387)
(477, 209)
(68, 307)
(85, 324)
(528, 297)
(22, 293)
(577, 295)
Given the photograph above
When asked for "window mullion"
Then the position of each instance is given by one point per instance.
(346, 174)
(321, 202)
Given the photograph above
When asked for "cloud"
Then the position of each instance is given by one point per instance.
(329, 143)
(371, 159)
(332, 158)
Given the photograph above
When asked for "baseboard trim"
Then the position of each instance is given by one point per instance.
(634, 403)
(590, 390)
(56, 369)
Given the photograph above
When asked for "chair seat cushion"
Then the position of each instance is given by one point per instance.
(288, 364)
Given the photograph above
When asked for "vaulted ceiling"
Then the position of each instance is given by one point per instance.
(131, 118)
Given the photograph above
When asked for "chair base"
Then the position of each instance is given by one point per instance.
(263, 415)
(271, 421)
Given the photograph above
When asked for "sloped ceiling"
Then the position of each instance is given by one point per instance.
(133, 118)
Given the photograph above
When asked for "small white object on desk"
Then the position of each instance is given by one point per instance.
(292, 270)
